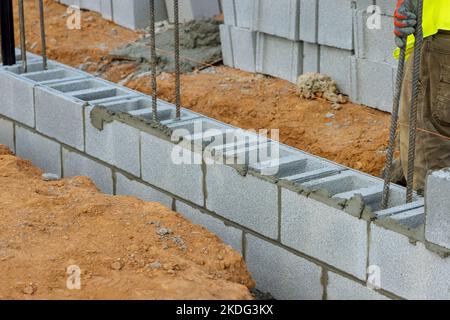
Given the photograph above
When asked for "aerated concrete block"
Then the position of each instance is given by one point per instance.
(75, 164)
(229, 13)
(340, 288)
(278, 18)
(117, 144)
(136, 14)
(437, 228)
(245, 13)
(336, 23)
(376, 44)
(323, 232)
(41, 151)
(7, 133)
(193, 9)
(337, 64)
(374, 84)
(172, 168)
(279, 57)
(128, 186)
(408, 270)
(227, 45)
(281, 273)
(244, 49)
(249, 201)
(311, 54)
(230, 235)
(309, 20)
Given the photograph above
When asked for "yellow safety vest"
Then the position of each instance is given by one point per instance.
(436, 16)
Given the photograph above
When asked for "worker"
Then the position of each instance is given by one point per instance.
(433, 117)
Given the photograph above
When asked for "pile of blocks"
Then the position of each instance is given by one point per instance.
(286, 38)
(135, 14)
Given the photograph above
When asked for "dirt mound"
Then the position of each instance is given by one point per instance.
(124, 247)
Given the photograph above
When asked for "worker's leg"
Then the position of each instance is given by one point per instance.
(434, 112)
(433, 119)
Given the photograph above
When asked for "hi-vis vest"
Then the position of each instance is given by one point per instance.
(436, 16)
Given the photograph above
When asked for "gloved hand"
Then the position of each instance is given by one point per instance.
(405, 21)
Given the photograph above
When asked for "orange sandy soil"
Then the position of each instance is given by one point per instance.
(356, 136)
(48, 226)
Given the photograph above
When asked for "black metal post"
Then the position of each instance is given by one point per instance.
(7, 32)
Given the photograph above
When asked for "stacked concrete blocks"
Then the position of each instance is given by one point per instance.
(307, 227)
(356, 49)
(135, 14)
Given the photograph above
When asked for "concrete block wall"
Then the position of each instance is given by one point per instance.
(350, 40)
(135, 14)
(311, 229)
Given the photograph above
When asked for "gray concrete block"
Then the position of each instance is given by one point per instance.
(311, 54)
(117, 144)
(244, 49)
(106, 8)
(7, 133)
(130, 187)
(279, 57)
(19, 107)
(364, 4)
(375, 44)
(136, 14)
(333, 31)
(249, 201)
(245, 13)
(92, 5)
(340, 288)
(75, 164)
(229, 13)
(281, 273)
(374, 84)
(387, 6)
(172, 168)
(227, 45)
(60, 116)
(278, 18)
(408, 270)
(337, 64)
(229, 235)
(43, 152)
(325, 233)
(437, 228)
(309, 16)
(193, 9)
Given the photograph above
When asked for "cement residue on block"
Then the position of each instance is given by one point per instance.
(316, 85)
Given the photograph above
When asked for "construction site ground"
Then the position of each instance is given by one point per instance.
(350, 134)
(125, 248)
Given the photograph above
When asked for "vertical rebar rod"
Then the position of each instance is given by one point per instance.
(43, 40)
(393, 131)
(153, 63)
(414, 104)
(23, 46)
(7, 32)
(177, 59)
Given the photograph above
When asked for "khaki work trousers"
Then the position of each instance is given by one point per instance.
(433, 117)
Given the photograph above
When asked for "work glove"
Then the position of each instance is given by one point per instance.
(405, 21)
